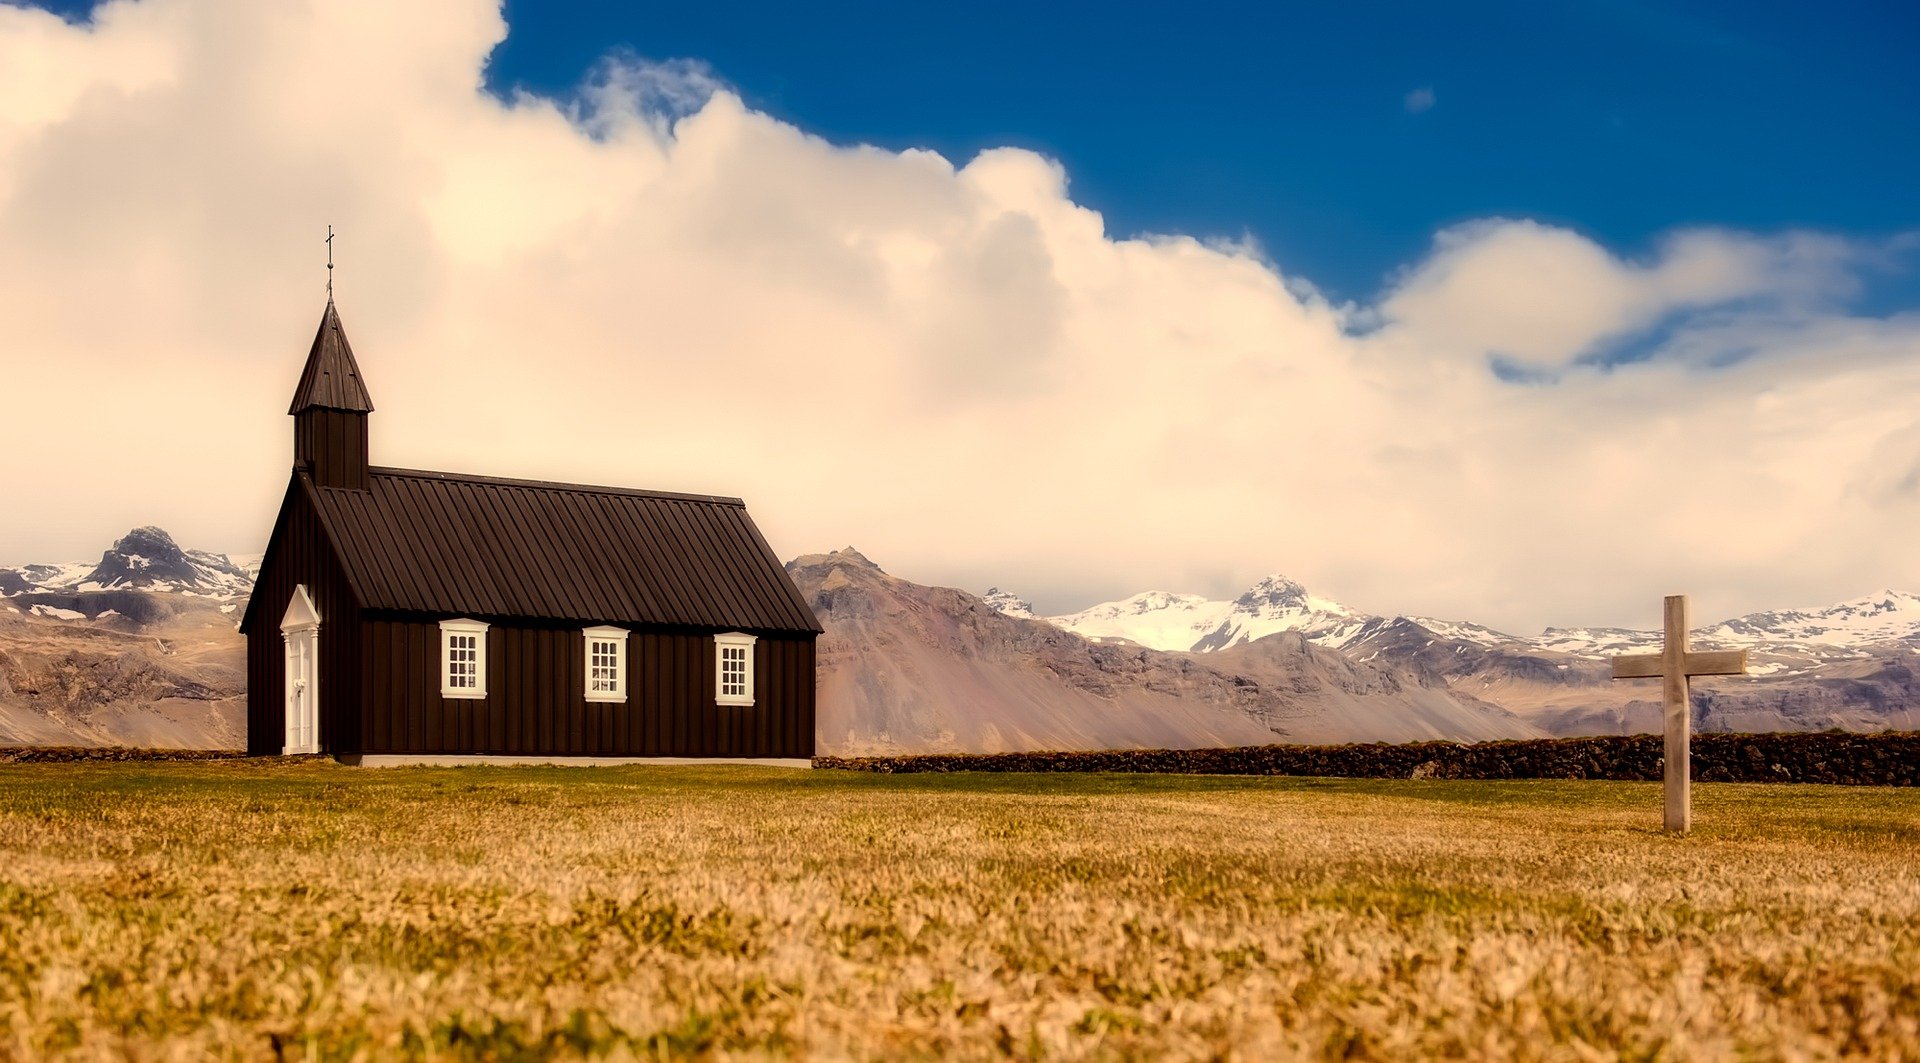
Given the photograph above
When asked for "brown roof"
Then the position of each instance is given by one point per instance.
(332, 377)
(481, 546)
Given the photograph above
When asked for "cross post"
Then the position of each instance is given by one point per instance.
(1675, 665)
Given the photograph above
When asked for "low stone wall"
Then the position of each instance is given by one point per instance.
(1887, 759)
(60, 754)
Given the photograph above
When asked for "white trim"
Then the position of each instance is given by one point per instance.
(300, 701)
(721, 644)
(617, 636)
(459, 760)
(301, 612)
(463, 627)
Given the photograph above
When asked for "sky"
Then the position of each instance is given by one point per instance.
(1527, 317)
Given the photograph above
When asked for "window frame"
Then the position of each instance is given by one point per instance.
(721, 643)
(618, 637)
(448, 630)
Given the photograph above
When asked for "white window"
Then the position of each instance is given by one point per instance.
(463, 659)
(733, 668)
(606, 664)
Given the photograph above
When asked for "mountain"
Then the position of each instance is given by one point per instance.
(1166, 620)
(1836, 631)
(1007, 604)
(1846, 665)
(905, 667)
(121, 667)
(137, 648)
(1163, 620)
(143, 559)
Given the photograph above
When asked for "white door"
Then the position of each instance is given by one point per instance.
(303, 718)
(301, 630)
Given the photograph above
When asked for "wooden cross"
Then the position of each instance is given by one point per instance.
(1675, 665)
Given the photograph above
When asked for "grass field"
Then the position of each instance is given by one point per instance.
(243, 909)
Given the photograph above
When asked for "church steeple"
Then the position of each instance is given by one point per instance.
(330, 408)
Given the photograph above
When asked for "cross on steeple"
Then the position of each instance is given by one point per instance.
(329, 264)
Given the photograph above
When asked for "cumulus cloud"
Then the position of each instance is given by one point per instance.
(1544, 296)
(950, 363)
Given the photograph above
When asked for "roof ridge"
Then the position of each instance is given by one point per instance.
(555, 485)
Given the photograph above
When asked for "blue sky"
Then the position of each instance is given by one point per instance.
(1292, 123)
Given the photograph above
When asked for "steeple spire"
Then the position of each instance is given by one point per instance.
(331, 378)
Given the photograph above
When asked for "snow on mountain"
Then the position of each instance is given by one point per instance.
(1596, 641)
(1006, 603)
(1158, 620)
(1783, 640)
(143, 559)
(1883, 617)
(1162, 620)
(1836, 630)
(1277, 604)
(1464, 631)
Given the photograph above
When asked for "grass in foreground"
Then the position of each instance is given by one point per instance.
(247, 909)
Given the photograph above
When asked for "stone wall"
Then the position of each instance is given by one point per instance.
(1886, 759)
(56, 754)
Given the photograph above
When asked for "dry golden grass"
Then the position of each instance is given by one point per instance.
(179, 911)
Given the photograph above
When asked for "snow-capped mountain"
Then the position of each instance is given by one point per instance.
(1158, 620)
(1886, 616)
(1277, 604)
(143, 559)
(1163, 620)
(1007, 604)
(1465, 631)
(1783, 639)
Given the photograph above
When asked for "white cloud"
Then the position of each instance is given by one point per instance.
(953, 367)
(1420, 100)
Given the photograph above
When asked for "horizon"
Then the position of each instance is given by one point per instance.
(236, 556)
(1412, 325)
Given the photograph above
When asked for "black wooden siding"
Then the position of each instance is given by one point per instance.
(300, 554)
(536, 702)
(332, 446)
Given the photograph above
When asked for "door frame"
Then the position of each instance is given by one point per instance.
(300, 694)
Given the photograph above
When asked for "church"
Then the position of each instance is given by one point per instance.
(403, 616)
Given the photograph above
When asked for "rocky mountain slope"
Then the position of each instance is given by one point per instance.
(121, 668)
(904, 667)
(137, 648)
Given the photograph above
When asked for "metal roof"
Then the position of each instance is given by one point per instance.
(331, 377)
(483, 546)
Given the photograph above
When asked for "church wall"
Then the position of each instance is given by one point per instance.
(536, 702)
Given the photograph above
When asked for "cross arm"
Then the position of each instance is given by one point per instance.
(1651, 665)
(1638, 666)
(1722, 662)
